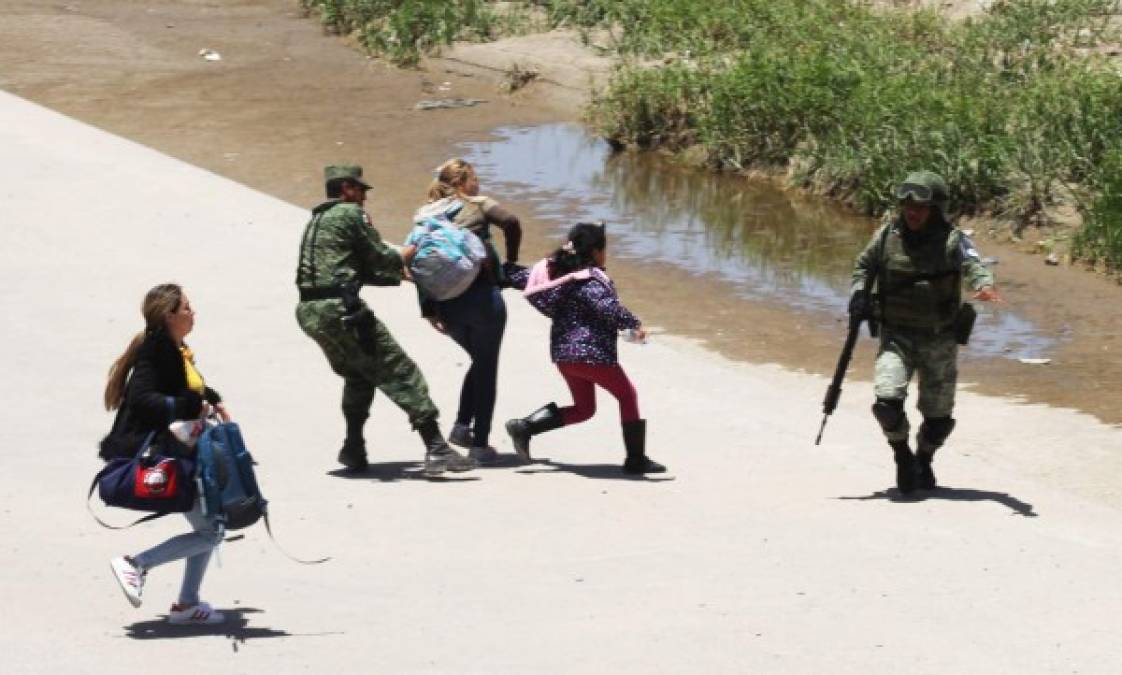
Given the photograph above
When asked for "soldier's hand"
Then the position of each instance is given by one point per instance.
(438, 324)
(988, 294)
(859, 304)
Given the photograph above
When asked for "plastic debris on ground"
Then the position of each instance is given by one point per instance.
(437, 104)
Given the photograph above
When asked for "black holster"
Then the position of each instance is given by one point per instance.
(963, 323)
(357, 317)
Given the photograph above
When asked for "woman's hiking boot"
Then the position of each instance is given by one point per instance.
(635, 440)
(906, 475)
(460, 435)
(546, 418)
(483, 454)
(439, 456)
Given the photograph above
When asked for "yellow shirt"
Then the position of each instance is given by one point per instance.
(194, 379)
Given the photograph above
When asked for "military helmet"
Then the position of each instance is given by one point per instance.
(924, 187)
(351, 172)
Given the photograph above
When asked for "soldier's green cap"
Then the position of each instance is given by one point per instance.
(349, 171)
(924, 187)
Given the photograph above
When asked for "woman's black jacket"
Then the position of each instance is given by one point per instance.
(156, 395)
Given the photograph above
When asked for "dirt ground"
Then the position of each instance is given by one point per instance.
(286, 99)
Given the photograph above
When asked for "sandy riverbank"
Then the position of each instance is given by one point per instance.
(287, 99)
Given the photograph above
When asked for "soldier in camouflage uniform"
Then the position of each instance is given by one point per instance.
(339, 252)
(910, 276)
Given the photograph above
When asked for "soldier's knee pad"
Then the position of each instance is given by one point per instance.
(889, 413)
(935, 430)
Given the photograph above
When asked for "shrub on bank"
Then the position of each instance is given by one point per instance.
(1099, 241)
(1014, 107)
(403, 30)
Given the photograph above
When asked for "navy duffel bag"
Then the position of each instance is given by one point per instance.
(150, 481)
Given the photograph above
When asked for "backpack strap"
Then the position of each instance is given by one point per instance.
(286, 554)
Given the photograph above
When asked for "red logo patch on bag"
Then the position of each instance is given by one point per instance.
(158, 482)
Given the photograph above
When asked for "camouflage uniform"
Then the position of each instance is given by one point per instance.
(340, 246)
(916, 279)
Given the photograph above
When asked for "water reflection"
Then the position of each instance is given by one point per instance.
(768, 244)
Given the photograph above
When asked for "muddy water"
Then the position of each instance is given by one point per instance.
(762, 243)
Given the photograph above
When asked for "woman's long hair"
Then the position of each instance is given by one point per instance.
(577, 254)
(158, 304)
(451, 177)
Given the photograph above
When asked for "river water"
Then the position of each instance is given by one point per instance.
(765, 243)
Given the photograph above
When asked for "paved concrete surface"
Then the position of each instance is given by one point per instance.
(758, 553)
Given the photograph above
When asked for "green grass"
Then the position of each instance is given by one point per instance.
(1099, 241)
(1014, 107)
(404, 30)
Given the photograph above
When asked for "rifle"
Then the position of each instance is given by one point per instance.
(834, 391)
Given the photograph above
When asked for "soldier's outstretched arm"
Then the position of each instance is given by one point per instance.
(976, 274)
(381, 262)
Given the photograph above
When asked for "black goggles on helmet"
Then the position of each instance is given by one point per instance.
(914, 192)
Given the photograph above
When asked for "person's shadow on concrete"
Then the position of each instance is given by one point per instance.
(1018, 507)
(390, 472)
(236, 627)
(594, 471)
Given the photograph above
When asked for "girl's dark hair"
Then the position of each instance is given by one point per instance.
(576, 254)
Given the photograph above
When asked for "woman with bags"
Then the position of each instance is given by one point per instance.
(475, 319)
(153, 385)
(572, 289)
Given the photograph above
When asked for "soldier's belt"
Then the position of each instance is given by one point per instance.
(310, 294)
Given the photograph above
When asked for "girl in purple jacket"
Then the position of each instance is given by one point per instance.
(571, 288)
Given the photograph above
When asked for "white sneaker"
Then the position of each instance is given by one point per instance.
(130, 577)
(460, 435)
(201, 614)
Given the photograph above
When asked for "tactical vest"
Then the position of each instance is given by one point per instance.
(920, 283)
(326, 256)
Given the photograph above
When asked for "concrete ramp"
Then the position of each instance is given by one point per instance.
(759, 553)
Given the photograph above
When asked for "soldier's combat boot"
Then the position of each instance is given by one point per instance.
(439, 456)
(905, 467)
(353, 453)
(932, 434)
(635, 440)
(925, 476)
(544, 419)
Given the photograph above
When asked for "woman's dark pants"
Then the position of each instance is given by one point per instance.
(476, 320)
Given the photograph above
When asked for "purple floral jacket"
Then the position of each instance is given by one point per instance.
(586, 311)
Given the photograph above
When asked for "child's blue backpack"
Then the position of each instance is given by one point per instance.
(227, 483)
(448, 257)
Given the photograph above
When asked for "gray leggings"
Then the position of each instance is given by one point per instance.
(195, 547)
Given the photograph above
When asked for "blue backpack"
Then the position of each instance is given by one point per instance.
(448, 257)
(227, 483)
